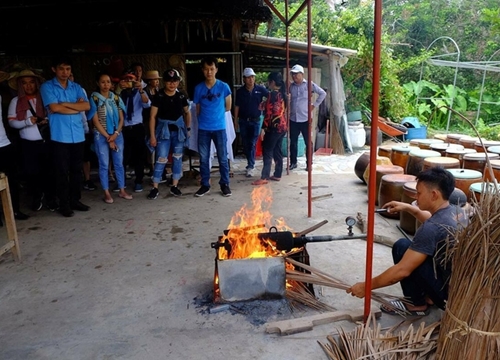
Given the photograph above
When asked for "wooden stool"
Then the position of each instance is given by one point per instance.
(426, 143)
(381, 160)
(487, 144)
(477, 161)
(443, 162)
(407, 220)
(495, 167)
(391, 188)
(399, 154)
(441, 137)
(416, 160)
(361, 164)
(454, 138)
(459, 154)
(464, 178)
(478, 189)
(385, 170)
(10, 223)
(468, 142)
(385, 151)
(441, 148)
(494, 149)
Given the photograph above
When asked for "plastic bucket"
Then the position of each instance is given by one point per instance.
(301, 146)
(357, 135)
(416, 133)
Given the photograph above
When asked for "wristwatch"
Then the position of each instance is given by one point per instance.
(188, 129)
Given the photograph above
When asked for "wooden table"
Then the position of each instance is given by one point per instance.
(10, 223)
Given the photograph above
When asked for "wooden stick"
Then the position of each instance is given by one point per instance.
(312, 228)
(319, 197)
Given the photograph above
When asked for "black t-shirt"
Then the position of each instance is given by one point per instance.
(170, 107)
(437, 233)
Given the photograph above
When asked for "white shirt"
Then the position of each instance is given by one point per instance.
(27, 130)
(4, 140)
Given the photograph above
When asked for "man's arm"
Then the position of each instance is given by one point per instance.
(236, 114)
(410, 261)
(80, 105)
(321, 94)
(228, 102)
(398, 206)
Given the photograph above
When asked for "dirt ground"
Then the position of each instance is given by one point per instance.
(134, 279)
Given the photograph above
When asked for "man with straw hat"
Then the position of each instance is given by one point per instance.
(27, 114)
(421, 266)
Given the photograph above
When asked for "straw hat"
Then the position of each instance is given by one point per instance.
(20, 74)
(152, 75)
(4, 76)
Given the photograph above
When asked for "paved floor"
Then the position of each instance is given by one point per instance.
(134, 279)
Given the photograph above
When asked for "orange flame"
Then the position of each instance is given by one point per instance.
(247, 223)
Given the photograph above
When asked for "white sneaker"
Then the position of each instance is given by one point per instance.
(250, 172)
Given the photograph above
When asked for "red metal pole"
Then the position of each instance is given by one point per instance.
(309, 107)
(287, 77)
(373, 156)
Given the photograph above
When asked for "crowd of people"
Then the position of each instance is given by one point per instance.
(133, 122)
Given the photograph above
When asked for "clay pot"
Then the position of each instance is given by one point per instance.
(361, 164)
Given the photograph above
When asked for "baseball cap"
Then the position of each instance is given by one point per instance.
(171, 75)
(297, 69)
(248, 72)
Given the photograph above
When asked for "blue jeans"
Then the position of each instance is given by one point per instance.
(249, 133)
(163, 147)
(271, 150)
(204, 141)
(423, 280)
(102, 150)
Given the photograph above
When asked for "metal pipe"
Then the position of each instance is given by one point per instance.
(373, 156)
(309, 107)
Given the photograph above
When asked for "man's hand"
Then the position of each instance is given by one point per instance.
(152, 140)
(357, 290)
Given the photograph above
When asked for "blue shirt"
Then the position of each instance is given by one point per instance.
(65, 128)
(248, 102)
(212, 105)
(133, 111)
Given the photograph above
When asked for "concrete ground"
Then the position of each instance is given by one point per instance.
(134, 279)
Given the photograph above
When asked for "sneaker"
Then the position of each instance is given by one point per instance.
(89, 185)
(202, 191)
(52, 205)
(250, 172)
(174, 190)
(163, 179)
(225, 190)
(37, 203)
(138, 188)
(153, 194)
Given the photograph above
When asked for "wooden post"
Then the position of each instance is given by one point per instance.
(12, 240)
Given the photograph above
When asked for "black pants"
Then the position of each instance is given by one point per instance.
(68, 160)
(39, 168)
(9, 167)
(134, 152)
(297, 128)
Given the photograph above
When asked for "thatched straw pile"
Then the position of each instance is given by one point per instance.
(470, 326)
(366, 342)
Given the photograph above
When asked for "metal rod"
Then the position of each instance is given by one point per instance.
(403, 232)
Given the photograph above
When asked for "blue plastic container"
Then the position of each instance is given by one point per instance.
(411, 122)
(301, 146)
(416, 133)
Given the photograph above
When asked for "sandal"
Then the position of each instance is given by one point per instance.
(260, 182)
(274, 178)
(399, 308)
(108, 201)
(126, 196)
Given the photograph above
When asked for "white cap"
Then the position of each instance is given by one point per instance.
(297, 69)
(248, 72)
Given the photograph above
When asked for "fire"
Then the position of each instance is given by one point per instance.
(247, 223)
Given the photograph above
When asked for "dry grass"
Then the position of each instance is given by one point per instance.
(369, 342)
(470, 327)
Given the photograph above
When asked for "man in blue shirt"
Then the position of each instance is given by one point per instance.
(247, 111)
(212, 98)
(299, 112)
(65, 100)
(134, 134)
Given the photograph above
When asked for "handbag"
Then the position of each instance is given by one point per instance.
(43, 128)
